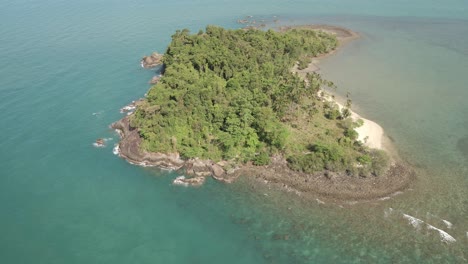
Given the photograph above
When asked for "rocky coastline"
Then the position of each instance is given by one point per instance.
(129, 149)
(151, 61)
(327, 184)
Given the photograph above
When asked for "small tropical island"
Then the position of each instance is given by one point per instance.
(250, 102)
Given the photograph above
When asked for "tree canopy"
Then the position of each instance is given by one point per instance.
(231, 95)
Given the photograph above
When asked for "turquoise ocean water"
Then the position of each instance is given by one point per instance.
(66, 67)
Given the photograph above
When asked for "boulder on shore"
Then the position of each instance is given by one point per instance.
(196, 181)
(155, 79)
(151, 61)
(130, 149)
(217, 170)
(198, 167)
(100, 142)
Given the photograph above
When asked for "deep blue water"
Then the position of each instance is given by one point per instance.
(64, 201)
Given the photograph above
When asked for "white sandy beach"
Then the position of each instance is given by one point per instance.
(370, 133)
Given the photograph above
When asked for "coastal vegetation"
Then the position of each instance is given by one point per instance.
(231, 95)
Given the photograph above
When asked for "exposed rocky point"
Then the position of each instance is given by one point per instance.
(328, 184)
(129, 148)
(182, 180)
(155, 79)
(100, 142)
(151, 61)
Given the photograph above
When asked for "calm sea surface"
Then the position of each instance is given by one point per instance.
(66, 67)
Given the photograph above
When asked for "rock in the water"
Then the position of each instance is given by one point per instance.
(131, 106)
(218, 171)
(196, 181)
(198, 167)
(155, 79)
(151, 61)
(226, 177)
(100, 142)
(128, 108)
(130, 149)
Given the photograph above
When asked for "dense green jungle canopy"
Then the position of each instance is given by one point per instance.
(232, 95)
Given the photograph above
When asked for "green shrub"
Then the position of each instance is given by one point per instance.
(358, 123)
(345, 141)
(345, 113)
(261, 159)
(328, 152)
(303, 63)
(332, 114)
(308, 163)
(380, 162)
(365, 159)
(351, 133)
(324, 156)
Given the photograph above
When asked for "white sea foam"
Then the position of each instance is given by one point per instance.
(396, 193)
(127, 108)
(445, 237)
(98, 145)
(415, 222)
(388, 212)
(120, 132)
(116, 150)
(166, 168)
(143, 164)
(447, 223)
(180, 181)
(146, 164)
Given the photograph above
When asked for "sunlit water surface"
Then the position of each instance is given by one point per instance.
(68, 66)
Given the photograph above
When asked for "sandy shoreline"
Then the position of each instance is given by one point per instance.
(327, 184)
(370, 133)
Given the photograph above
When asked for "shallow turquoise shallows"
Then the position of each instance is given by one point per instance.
(67, 67)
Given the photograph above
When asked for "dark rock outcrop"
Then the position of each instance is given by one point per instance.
(129, 149)
(100, 142)
(155, 79)
(339, 186)
(195, 181)
(151, 61)
(217, 170)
